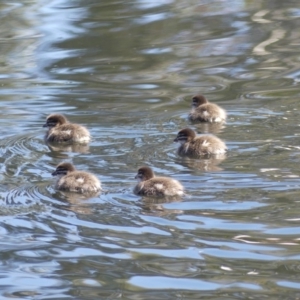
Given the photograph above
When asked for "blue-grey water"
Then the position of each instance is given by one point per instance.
(127, 70)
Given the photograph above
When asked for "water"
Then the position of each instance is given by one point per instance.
(128, 70)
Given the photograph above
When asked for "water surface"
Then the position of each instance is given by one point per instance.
(127, 71)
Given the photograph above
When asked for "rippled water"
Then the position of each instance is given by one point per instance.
(127, 70)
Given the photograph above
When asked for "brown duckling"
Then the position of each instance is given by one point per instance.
(61, 131)
(197, 146)
(204, 111)
(150, 185)
(71, 180)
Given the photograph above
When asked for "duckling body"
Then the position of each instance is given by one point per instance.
(151, 185)
(197, 146)
(72, 180)
(205, 111)
(61, 131)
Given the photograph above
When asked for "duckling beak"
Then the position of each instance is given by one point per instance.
(54, 173)
(45, 125)
(176, 140)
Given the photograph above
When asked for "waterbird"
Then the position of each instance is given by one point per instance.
(62, 131)
(71, 180)
(151, 185)
(195, 146)
(205, 111)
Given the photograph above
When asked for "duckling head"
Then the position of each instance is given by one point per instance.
(198, 100)
(185, 135)
(63, 169)
(55, 119)
(144, 173)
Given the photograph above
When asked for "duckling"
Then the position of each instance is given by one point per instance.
(61, 131)
(72, 180)
(194, 146)
(150, 185)
(204, 111)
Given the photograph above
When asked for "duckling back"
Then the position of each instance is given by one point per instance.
(79, 181)
(202, 145)
(159, 186)
(208, 112)
(68, 133)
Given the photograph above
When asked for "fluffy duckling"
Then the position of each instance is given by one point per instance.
(60, 130)
(204, 111)
(196, 146)
(150, 185)
(71, 180)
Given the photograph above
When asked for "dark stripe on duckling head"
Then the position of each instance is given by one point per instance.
(63, 169)
(185, 134)
(198, 100)
(144, 173)
(55, 119)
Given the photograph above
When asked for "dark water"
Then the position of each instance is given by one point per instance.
(127, 70)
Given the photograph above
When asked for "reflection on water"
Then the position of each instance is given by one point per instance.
(156, 206)
(209, 164)
(62, 147)
(214, 128)
(75, 202)
(128, 71)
